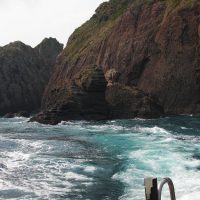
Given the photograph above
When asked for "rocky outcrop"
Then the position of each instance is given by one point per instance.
(130, 102)
(24, 72)
(154, 45)
(86, 97)
(82, 99)
(112, 76)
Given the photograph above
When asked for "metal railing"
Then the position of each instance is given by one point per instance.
(153, 192)
(171, 188)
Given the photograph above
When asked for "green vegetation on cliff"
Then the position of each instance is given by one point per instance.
(174, 3)
(96, 28)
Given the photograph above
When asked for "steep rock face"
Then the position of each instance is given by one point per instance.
(153, 44)
(23, 75)
(171, 75)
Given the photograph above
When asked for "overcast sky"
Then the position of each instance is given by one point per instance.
(30, 21)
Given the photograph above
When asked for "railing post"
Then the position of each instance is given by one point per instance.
(151, 188)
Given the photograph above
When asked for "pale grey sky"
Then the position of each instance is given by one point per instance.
(30, 21)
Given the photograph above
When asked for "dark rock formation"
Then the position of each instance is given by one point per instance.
(48, 50)
(155, 45)
(24, 72)
(18, 114)
(130, 102)
(82, 99)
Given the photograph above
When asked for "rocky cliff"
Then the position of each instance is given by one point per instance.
(154, 46)
(24, 72)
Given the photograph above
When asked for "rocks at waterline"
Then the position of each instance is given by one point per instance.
(18, 114)
(81, 99)
(88, 98)
(127, 102)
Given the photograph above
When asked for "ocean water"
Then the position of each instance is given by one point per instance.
(98, 160)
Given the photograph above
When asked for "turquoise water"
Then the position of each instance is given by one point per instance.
(98, 161)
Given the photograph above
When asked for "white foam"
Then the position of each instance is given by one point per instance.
(184, 128)
(75, 176)
(90, 169)
(174, 164)
(154, 129)
(148, 151)
(104, 128)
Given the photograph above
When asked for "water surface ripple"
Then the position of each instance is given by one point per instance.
(98, 160)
